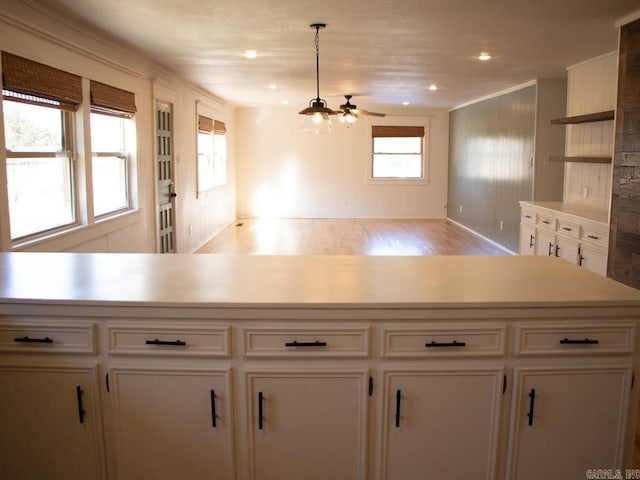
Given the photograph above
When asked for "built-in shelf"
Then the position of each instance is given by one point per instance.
(591, 117)
(563, 158)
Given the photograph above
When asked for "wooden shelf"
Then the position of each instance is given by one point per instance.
(563, 158)
(591, 117)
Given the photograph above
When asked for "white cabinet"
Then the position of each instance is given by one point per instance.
(566, 421)
(51, 424)
(440, 423)
(558, 230)
(307, 424)
(172, 423)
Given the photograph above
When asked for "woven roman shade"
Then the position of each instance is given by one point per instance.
(205, 124)
(390, 131)
(110, 100)
(219, 128)
(32, 82)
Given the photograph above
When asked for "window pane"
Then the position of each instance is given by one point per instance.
(31, 128)
(397, 145)
(109, 184)
(40, 194)
(220, 159)
(397, 166)
(205, 162)
(107, 133)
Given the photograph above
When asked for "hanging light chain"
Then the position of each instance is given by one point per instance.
(317, 44)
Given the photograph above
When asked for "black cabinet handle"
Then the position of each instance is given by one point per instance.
(593, 237)
(550, 248)
(398, 399)
(527, 216)
(295, 343)
(445, 344)
(557, 250)
(532, 396)
(259, 410)
(81, 411)
(586, 341)
(177, 343)
(213, 408)
(531, 241)
(26, 339)
(567, 229)
(546, 222)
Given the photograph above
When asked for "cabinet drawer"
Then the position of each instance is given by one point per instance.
(306, 342)
(185, 340)
(595, 237)
(528, 216)
(569, 229)
(574, 339)
(54, 337)
(546, 221)
(433, 341)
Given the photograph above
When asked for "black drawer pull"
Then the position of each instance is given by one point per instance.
(26, 339)
(567, 229)
(593, 237)
(177, 343)
(586, 341)
(81, 411)
(546, 222)
(398, 399)
(445, 344)
(531, 237)
(295, 343)
(527, 216)
(532, 396)
(260, 399)
(213, 408)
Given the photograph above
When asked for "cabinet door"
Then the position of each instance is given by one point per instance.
(308, 425)
(567, 249)
(593, 259)
(546, 242)
(50, 424)
(441, 424)
(527, 239)
(166, 427)
(567, 421)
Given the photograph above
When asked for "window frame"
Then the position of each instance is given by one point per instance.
(68, 136)
(402, 121)
(214, 130)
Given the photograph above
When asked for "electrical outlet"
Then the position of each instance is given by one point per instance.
(585, 191)
(501, 224)
(460, 208)
(190, 229)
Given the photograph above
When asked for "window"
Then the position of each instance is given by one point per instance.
(109, 164)
(212, 153)
(111, 111)
(38, 102)
(397, 153)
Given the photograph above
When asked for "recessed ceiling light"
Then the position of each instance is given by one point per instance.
(433, 87)
(273, 86)
(285, 102)
(251, 54)
(405, 103)
(484, 56)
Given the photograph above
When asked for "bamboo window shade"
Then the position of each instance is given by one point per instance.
(205, 124)
(391, 131)
(219, 128)
(31, 82)
(110, 100)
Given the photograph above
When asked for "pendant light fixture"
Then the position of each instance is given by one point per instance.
(317, 113)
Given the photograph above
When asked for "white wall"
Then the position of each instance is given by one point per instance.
(39, 35)
(282, 172)
(591, 88)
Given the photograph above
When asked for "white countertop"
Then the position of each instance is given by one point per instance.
(291, 281)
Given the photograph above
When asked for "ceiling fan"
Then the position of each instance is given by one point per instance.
(349, 112)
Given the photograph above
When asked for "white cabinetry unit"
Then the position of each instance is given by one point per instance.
(50, 413)
(333, 367)
(554, 229)
(172, 411)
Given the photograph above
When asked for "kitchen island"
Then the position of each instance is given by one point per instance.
(131, 366)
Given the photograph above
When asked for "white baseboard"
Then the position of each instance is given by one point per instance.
(493, 242)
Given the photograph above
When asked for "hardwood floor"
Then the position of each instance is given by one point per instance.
(349, 237)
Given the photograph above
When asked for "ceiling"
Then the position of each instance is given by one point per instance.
(384, 52)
